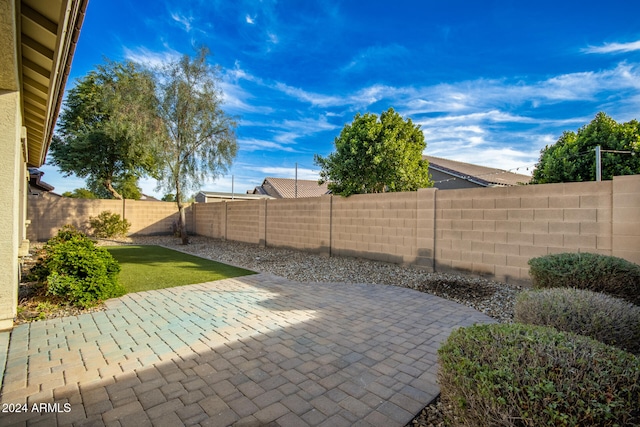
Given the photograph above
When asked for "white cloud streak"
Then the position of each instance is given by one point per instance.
(283, 172)
(150, 58)
(184, 21)
(614, 48)
(254, 144)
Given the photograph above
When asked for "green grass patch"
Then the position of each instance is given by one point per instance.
(146, 268)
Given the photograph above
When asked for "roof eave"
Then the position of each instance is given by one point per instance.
(40, 130)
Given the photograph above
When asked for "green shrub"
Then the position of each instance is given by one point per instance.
(72, 267)
(107, 225)
(607, 319)
(40, 271)
(65, 234)
(523, 375)
(599, 273)
(82, 273)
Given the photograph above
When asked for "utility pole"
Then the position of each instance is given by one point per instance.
(598, 164)
(599, 160)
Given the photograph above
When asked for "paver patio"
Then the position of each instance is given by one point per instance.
(251, 351)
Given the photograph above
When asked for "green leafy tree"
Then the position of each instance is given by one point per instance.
(107, 126)
(376, 155)
(168, 198)
(200, 138)
(80, 193)
(572, 157)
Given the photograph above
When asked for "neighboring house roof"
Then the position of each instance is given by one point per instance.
(482, 176)
(209, 196)
(36, 186)
(289, 188)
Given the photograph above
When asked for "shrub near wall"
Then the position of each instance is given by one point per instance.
(599, 273)
(607, 319)
(522, 375)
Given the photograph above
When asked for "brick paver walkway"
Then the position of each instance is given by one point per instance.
(252, 351)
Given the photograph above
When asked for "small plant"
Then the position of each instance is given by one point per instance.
(607, 319)
(524, 375)
(107, 225)
(43, 308)
(599, 273)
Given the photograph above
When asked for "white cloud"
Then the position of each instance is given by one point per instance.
(614, 48)
(250, 20)
(144, 56)
(374, 55)
(284, 172)
(273, 38)
(253, 144)
(182, 20)
(310, 97)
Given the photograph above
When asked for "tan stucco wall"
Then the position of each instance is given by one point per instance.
(10, 173)
(8, 31)
(11, 164)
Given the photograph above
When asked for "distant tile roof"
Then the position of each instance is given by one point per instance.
(481, 175)
(36, 185)
(209, 196)
(285, 188)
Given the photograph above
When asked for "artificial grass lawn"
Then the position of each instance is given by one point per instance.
(145, 268)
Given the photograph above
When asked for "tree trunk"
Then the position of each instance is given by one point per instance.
(182, 226)
(110, 189)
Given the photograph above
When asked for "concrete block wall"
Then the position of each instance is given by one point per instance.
(426, 228)
(243, 221)
(210, 219)
(486, 231)
(50, 213)
(376, 226)
(495, 231)
(299, 223)
(152, 218)
(626, 218)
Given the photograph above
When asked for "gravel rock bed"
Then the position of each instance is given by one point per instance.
(495, 299)
(492, 298)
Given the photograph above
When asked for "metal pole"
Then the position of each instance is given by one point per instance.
(598, 164)
(296, 180)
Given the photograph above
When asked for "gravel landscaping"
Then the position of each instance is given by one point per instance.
(492, 298)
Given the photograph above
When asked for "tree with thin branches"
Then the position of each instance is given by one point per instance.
(200, 140)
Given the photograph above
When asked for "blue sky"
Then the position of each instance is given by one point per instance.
(489, 82)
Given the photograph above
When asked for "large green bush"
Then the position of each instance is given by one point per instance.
(72, 267)
(598, 273)
(107, 225)
(40, 271)
(523, 375)
(602, 317)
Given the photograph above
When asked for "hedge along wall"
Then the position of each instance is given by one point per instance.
(486, 231)
(50, 213)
